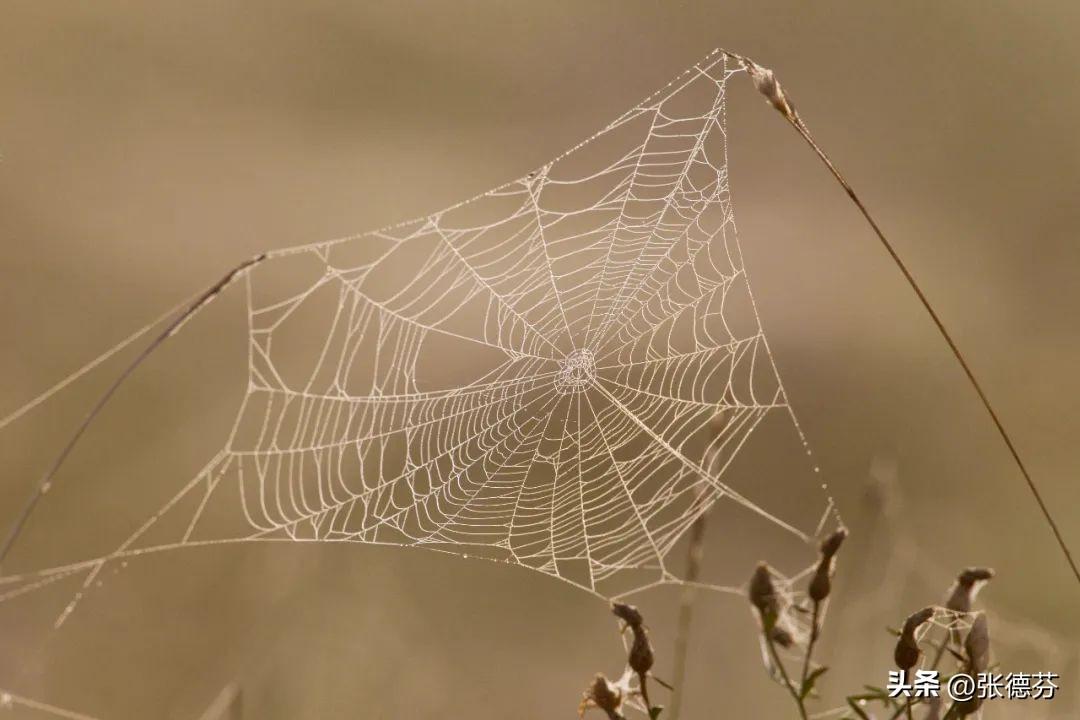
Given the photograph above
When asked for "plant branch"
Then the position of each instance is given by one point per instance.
(47, 479)
(769, 86)
(784, 673)
(694, 554)
(815, 630)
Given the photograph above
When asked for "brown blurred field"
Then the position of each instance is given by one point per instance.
(146, 148)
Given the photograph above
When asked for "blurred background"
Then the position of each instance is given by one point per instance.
(145, 148)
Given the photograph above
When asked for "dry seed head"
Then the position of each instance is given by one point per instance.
(762, 594)
(977, 648)
(831, 544)
(641, 656)
(821, 584)
(907, 650)
(766, 83)
(967, 586)
(977, 645)
(906, 654)
(628, 614)
(605, 695)
(975, 574)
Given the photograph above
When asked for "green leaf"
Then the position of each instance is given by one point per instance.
(654, 712)
(808, 684)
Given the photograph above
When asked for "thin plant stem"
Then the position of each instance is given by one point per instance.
(768, 85)
(815, 630)
(694, 554)
(784, 674)
(45, 484)
(643, 680)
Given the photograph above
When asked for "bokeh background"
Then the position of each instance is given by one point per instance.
(144, 148)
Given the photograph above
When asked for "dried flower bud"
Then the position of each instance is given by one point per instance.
(907, 650)
(977, 645)
(967, 586)
(831, 545)
(605, 695)
(906, 654)
(628, 614)
(977, 649)
(763, 596)
(641, 657)
(821, 583)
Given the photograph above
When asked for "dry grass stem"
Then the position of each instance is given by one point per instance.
(695, 553)
(769, 86)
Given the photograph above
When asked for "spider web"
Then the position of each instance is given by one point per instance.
(556, 374)
(8, 701)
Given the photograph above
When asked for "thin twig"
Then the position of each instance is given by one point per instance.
(769, 86)
(643, 681)
(784, 674)
(47, 479)
(695, 552)
(815, 630)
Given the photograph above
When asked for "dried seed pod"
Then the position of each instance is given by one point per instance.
(605, 695)
(831, 545)
(967, 586)
(977, 649)
(628, 614)
(762, 594)
(977, 646)
(906, 654)
(907, 650)
(821, 583)
(641, 656)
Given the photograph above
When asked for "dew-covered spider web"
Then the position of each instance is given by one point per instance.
(563, 373)
(556, 374)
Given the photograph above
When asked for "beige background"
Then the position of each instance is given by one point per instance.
(146, 147)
